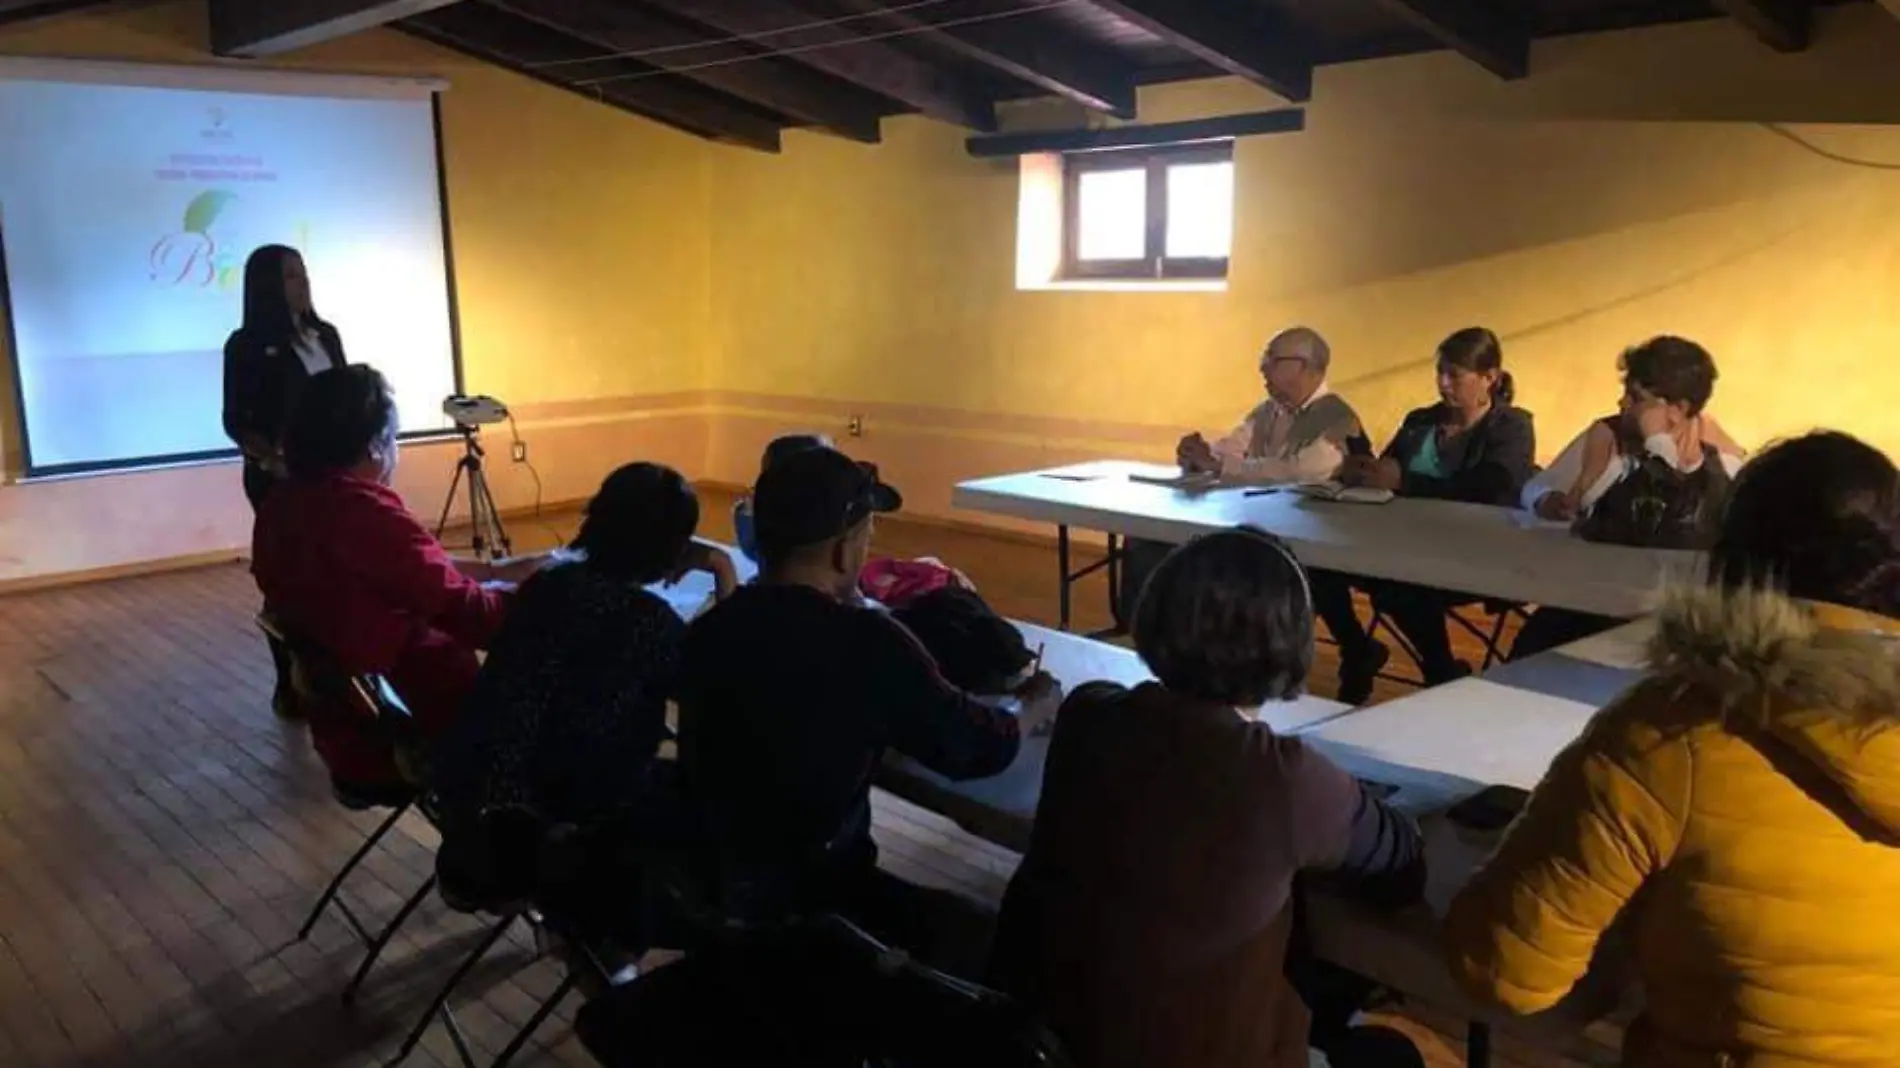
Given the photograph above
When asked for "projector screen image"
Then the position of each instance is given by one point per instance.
(127, 212)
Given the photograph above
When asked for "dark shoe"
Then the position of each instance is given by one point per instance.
(1357, 672)
(1452, 672)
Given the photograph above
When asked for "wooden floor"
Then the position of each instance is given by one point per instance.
(162, 835)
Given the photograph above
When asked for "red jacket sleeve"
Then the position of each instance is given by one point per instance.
(409, 569)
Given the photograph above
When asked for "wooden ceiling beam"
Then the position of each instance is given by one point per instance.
(1219, 128)
(783, 87)
(253, 28)
(1038, 55)
(1783, 25)
(1488, 37)
(22, 10)
(843, 53)
(1246, 40)
(529, 49)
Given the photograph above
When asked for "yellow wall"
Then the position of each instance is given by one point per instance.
(582, 263)
(634, 292)
(1625, 189)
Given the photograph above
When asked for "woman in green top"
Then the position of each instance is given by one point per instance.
(1472, 446)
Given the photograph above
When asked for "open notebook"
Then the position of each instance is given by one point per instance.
(1334, 491)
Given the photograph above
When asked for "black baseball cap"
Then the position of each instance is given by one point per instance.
(814, 495)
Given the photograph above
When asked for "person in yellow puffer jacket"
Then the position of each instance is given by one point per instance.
(1739, 808)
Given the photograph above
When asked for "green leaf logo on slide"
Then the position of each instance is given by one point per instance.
(191, 256)
(205, 208)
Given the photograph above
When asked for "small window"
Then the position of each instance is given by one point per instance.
(1152, 213)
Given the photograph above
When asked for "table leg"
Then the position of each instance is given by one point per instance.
(1115, 583)
(1062, 569)
(1478, 1045)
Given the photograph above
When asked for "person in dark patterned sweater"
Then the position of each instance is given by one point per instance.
(570, 708)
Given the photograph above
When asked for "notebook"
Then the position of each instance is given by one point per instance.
(1334, 491)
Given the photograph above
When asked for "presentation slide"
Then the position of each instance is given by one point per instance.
(126, 215)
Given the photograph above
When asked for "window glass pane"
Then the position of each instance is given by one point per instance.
(1111, 215)
(1200, 210)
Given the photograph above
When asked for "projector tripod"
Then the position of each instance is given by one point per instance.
(489, 537)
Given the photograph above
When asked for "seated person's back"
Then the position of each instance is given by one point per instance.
(1149, 921)
(570, 707)
(789, 696)
(1735, 812)
(348, 569)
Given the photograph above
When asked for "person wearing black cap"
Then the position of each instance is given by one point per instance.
(789, 695)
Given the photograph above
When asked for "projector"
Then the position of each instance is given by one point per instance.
(474, 411)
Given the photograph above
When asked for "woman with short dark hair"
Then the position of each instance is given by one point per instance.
(1654, 475)
(1739, 807)
(1148, 924)
(346, 567)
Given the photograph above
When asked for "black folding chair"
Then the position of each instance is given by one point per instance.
(326, 689)
(1492, 638)
(492, 869)
(815, 993)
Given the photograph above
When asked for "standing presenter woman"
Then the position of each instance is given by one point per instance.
(267, 360)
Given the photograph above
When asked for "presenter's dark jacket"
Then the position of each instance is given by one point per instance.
(1487, 464)
(1148, 925)
(262, 377)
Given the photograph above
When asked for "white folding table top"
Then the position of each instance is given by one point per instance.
(1002, 808)
(1502, 729)
(1485, 551)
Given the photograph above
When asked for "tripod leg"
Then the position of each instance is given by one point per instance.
(448, 504)
(482, 504)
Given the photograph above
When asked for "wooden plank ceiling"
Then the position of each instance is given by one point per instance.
(743, 71)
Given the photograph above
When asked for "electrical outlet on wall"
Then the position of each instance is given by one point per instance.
(520, 452)
(855, 426)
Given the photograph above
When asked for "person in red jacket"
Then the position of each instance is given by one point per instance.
(348, 570)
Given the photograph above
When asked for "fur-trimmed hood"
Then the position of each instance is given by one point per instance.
(1822, 679)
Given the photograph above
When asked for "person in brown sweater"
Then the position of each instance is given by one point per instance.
(1149, 923)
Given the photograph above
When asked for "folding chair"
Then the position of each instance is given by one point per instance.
(820, 989)
(1500, 611)
(479, 891)
(320, 684)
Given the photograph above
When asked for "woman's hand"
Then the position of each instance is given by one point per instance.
(1367, 471)
(1355, 470)
(1041, 696)
(1556, 507)
(1652, 418)
(714, 561)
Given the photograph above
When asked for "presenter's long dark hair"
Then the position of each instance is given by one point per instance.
(267, 310)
